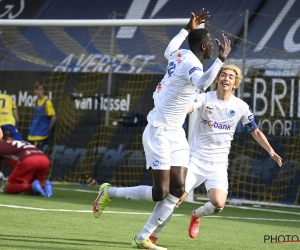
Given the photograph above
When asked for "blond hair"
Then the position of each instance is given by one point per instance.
(238, 78)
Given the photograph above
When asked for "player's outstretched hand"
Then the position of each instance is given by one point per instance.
(276, 158)
(196, 20)
(224, 47)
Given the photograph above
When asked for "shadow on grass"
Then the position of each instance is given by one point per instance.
(53, 243)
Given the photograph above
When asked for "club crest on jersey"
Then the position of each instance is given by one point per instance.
(231, 112)
(209, 110)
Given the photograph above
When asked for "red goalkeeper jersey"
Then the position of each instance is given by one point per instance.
(14, 151)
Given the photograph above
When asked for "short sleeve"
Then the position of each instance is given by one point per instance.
(199, 101)
(49, 109)
(247, 114)
(13, 105)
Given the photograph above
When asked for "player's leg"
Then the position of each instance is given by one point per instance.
(217, 186)
(20, 174)
(157, 150)
(42, 165)
(192, 181)
(20, 179)
(16, 188)
(151, 142)
(163, 210)
(30, 165)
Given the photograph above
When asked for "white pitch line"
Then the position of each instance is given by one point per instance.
(138, 213)
(265, 210)
(91, 191)
(77, 190)
(245, 218)
(76, 211)
(240, 207)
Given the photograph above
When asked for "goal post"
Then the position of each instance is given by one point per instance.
(91, 67)
(93, 22)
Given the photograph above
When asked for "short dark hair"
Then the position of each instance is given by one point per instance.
(196, 38)
(7, 134)
(38, 84)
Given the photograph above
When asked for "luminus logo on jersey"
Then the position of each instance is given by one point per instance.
(231, 112)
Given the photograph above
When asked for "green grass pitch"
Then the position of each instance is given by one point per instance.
(66, 221)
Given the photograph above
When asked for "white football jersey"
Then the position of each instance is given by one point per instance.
(216, 124)
(176, 92)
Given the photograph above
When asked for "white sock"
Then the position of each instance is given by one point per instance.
(131, 193)
(207, 209)
(161, 213)
(160, 227)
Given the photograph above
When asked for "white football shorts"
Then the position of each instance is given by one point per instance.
(213, 174)
(165, 147)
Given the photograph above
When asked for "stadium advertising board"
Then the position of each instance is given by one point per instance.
(273, 26)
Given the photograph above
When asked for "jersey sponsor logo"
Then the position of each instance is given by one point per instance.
(231, 112)
(193, 70)
(13, 157)
(215, 124)
(12, 11)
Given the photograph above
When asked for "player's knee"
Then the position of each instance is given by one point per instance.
(218, 204)
(159, 194)
(6, 188)
(178, 191)
(218, 210)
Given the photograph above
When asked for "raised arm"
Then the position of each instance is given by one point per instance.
(194, 22)
(224, 48)
(204, 79)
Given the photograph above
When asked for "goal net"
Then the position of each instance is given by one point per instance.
(100, 76)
